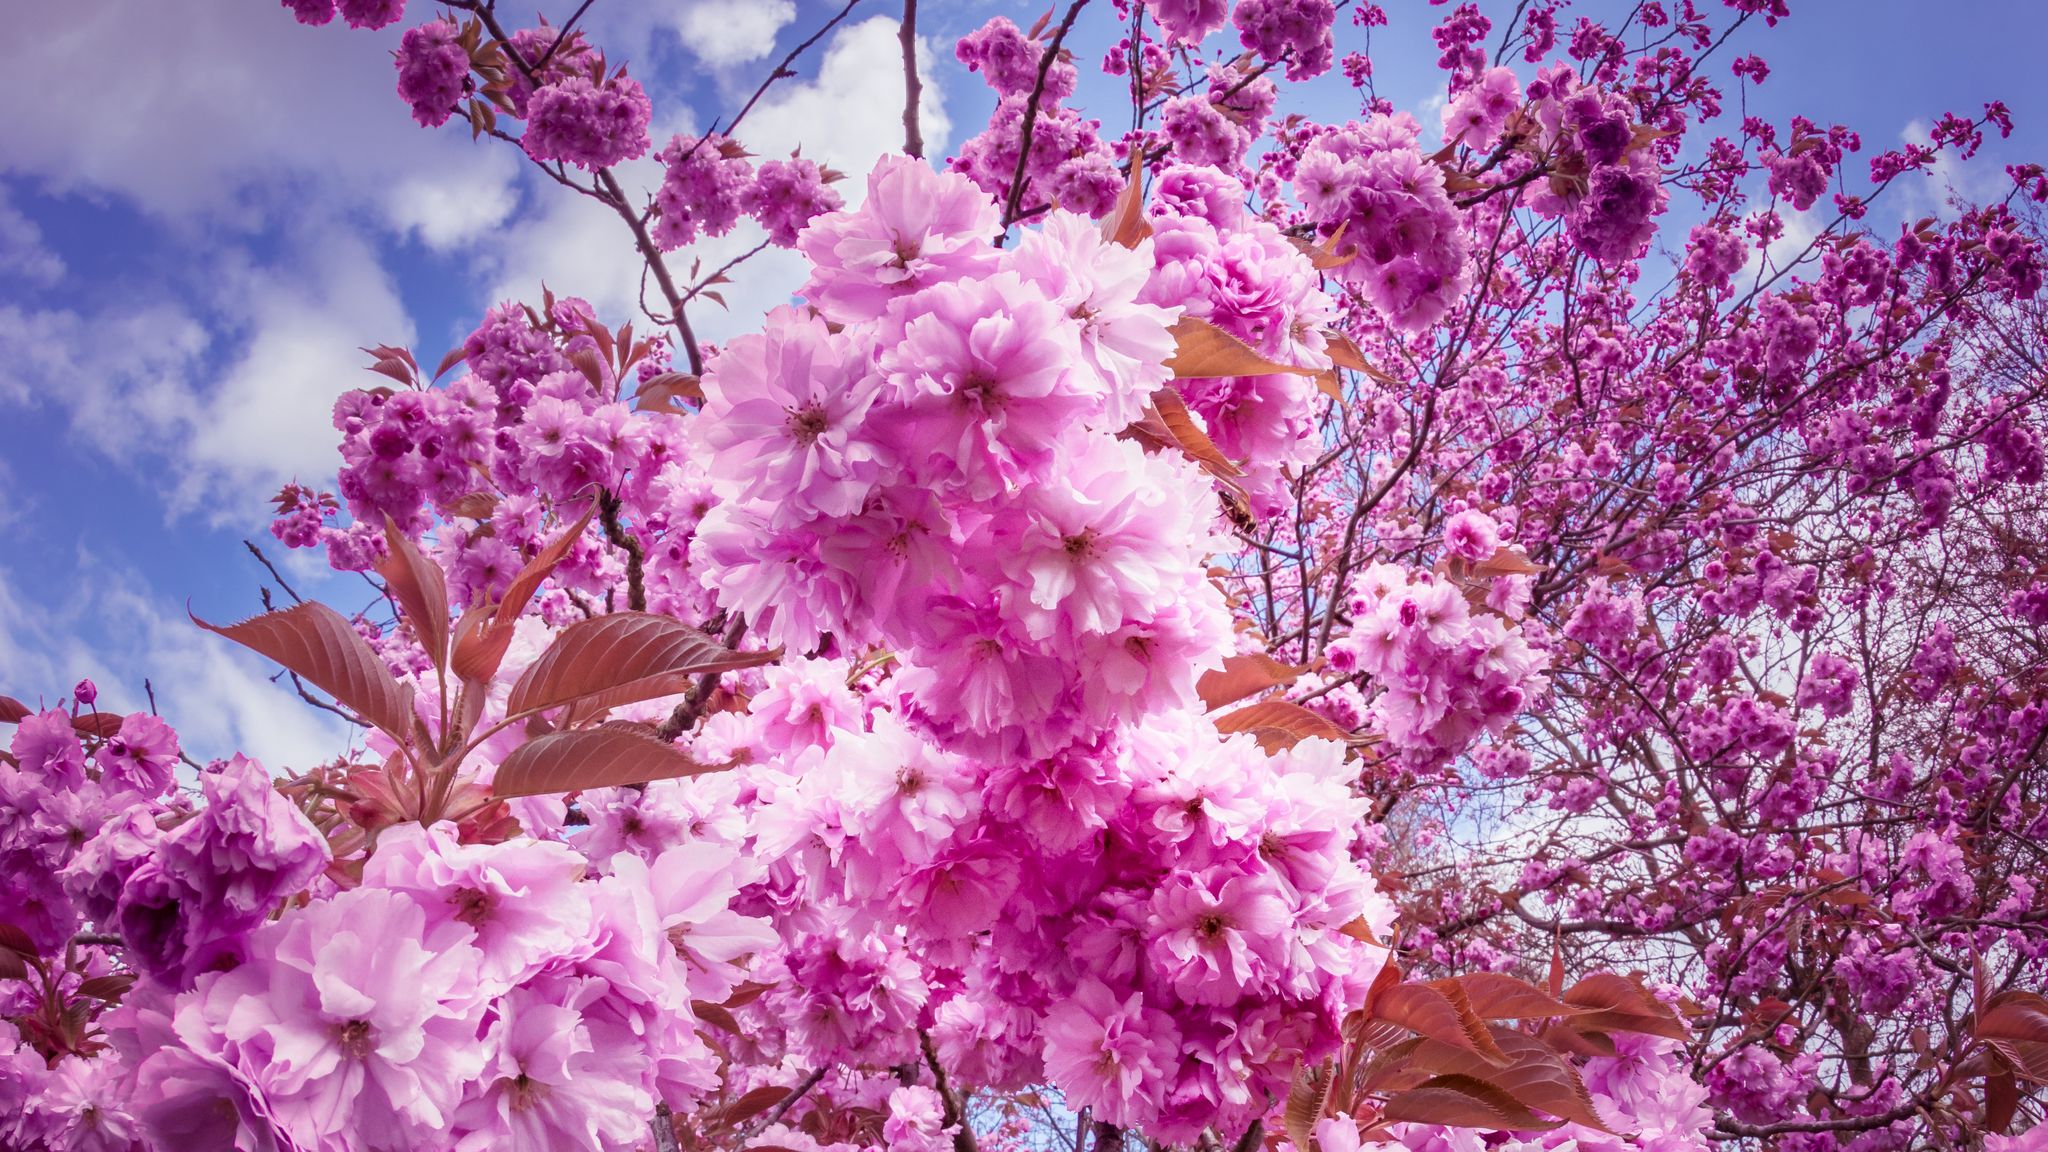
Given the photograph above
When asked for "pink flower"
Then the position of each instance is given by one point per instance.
(1104, 546)
(917, 228)
(1473, 535)
(984, 379)
(1189, 21)
(785, 412)
(1215, 937)
(432, 67)
(578, 121)
(520, 898)
(1098, 283)
(352, 1013)
(547, 1085)
(1107, 1053)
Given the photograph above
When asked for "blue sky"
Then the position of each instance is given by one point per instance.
(206, 208)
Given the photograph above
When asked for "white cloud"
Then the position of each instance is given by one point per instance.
(229, 395)
(23, 256)
(269, 416)
(727, 32)
(853, 111)
(218, 697)
(213, 108)
(450, 209)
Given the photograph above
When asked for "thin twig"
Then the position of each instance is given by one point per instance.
(562, 37)
(275, 575)
(956, 1107)
(608, 512)
(783, 1106)
(913, 86)
(664, 1125)
(685, 716)
(1052, 51)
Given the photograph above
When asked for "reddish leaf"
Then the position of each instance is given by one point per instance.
(1242, 676)
(1619, 1004)
(16, 949)
(1462, 1102)
(1188, 436)
(1203, 350)
(1345, 354)
(96, 724)
(421, 591)
(456, 355)
(475, 506)
(482, 637)
(2015, 1024)
(1126, 223)
(1573, 1041)
(318, 644)
(754, 1104)
(1497, 996)
(107, 988)
(1440, 1014)
(1279, 725)
(621, 658)
(716, 1014)
(1535, 1075)
(2001, 1100)
(661, 392)
(1306, 1101)
(1506, 562)
(607, 756)
(13, 711)
(747, 993)
(1359, 930)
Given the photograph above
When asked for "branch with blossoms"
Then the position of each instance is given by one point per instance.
(1261, 628)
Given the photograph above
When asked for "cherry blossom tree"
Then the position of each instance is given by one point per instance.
(1247, 630)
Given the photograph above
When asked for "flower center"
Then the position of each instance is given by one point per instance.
(357, 1038)
(472, 906)
(807, 424)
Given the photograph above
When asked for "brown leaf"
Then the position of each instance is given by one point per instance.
(1279, 724)
(2015, 1024)
(100, 725)
(2001, 1100)
(1498, 996)
(1306, 1100)
(1462, 1102)
(1535, 1075)
(753, 1104)
(1202, 350)
(607, 756)
(107, 988)
(475, 506)
(421, 591)
(1180, 425)
(1618, 1004)
(482, 636)
(661, 392)
(716, 1014)
(1242, 676)
(1442, 1014)
(318, 644)
(16, 950)
(1360, 930)
(456, 355)
(1506, 562)
(621, 658)
(13, 711)
(1126, 223)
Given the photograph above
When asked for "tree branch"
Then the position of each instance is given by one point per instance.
(913, 86)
